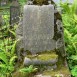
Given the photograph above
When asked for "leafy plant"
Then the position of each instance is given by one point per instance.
(7, 48)
(7, 60)
(22, 2)
(29, 69)
(74, 71)
(8, 67)
(69, 16)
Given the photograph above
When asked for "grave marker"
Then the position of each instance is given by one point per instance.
(38, 33)
(14, 12)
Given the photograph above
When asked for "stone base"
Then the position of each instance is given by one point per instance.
(60, 72)
(41, 59)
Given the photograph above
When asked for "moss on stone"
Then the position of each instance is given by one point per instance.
(19, 74)
(47, 56)
(62, 71)
(44, 56)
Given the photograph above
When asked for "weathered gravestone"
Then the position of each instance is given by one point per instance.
(14, 12)
(41, 37)
(38, 33)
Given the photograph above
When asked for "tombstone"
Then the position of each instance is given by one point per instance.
(14, 12)
(38, 36)
(41, 38)
(43, 33)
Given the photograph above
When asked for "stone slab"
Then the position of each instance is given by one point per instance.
(38, 28)
(28, 61)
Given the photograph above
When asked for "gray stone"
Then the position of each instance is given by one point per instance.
(19, 35)
(38, 28)
(28, 61)
(52, 67)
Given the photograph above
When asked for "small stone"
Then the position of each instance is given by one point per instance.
(27, 61)
(52, 67)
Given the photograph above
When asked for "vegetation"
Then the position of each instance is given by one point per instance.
(22, 2)
(25, 72)
(7, 48)
(69, 16)
(29, 69)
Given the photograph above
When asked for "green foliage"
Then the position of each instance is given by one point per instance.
(3, 57)
(7, 68)
(29, 69)
(7, 48)
(22, 2)
(74, 71)
(7, 58)
(69, 17)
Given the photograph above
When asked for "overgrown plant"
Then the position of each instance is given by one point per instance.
(69, 16)
(28, 70)
(7, 49)
(7, 57)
